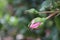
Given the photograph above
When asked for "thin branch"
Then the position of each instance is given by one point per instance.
(41, 12)
(46, 12)
(51, 15)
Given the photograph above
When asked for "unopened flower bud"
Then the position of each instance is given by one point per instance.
(37, 23)
(32, 11)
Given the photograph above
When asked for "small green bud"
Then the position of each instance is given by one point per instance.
(32, 11)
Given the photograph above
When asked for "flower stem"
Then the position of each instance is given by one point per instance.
(46, 12)
(51, 15)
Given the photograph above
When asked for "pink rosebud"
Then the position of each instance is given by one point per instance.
(32, 22)
(35, 25)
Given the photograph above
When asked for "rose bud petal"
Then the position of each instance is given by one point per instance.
(35, 25)
(32, 22)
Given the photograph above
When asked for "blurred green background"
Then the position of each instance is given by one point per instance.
(14, 20)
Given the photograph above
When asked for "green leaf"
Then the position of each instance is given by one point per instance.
(57, 20)
(44, 5)
(57, 4)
